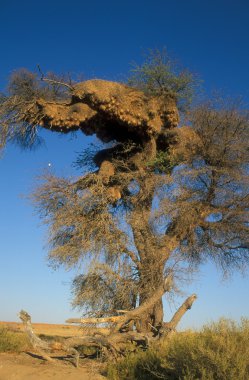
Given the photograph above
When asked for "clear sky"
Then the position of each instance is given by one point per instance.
(100, 39)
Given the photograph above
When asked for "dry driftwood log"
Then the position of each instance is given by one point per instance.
(42, 347)
(119, 335)
(114, 344)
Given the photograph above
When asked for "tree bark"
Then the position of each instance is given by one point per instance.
(151, 271)
(151, 279)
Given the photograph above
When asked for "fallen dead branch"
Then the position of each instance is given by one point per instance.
(118, 335)
(42, 347)
(114, 344)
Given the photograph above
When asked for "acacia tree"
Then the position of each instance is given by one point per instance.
(160, 198)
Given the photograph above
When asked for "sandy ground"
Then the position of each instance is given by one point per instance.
(25, 367)
(51, 329)
(46, 328)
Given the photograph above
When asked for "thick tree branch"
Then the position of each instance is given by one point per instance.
(132, 314)
(180, 312)
(96, 321)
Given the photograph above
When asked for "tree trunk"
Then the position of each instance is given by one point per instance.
(151, 279)
(151, 318)
(151, 267)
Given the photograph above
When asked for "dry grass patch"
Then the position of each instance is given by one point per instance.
(219, 351)
(13, 341)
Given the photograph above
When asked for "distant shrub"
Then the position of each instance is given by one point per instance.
(220, 351)
(11, 341)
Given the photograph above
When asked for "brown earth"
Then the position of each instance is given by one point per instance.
(46, 328)
(23, 366)
(52, 329)
(29, 366)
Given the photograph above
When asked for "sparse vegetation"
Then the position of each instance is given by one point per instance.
(162, 76)
(220, 351)
(13, 341)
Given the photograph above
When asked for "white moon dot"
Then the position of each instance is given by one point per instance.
(49, 164)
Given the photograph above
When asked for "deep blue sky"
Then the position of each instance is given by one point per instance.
(101, 39)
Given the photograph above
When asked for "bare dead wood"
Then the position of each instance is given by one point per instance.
(182, 310)
(41, 346)
(54, 81)
(168, 328)
(107, 343)
(134, 314)
(113, 343)
(113, 319)
(122, 311)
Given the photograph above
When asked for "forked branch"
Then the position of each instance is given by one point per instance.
(54, 81)
(134, 314)
(168, 328)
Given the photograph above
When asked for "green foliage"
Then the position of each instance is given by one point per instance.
(219, 351)
(11, 341)
(163, 162)
(159, 76)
